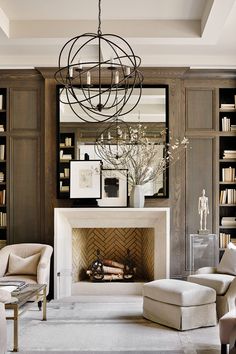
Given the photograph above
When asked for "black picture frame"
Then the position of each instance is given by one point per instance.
(114, 188)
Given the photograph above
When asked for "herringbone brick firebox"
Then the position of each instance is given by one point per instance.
(113, 243)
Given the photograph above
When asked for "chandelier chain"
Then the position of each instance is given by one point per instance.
(99, 17)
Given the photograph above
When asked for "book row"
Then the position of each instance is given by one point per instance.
(228, 174)
(3, 219)
(228, 196)
(2, 176)
(2, 152)
(3, 196)
(224, 240)
(226, 126)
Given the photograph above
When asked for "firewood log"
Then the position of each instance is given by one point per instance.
(111, 263)
(112, 270)
(113, 277)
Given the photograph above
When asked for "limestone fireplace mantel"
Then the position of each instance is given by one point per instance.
(67, 219)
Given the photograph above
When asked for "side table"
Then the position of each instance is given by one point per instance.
(204, 251)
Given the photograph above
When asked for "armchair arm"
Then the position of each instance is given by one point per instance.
(43, 268)
(4, 256)
(45, 258)
(231, 295)
(206, 270)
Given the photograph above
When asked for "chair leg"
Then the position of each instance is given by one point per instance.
(40, 305)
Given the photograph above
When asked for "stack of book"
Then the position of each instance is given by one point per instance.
(2, 128)
(228, 221)
(225, 124)
(1, 177)
(228, 174)
(64, 188)
(229, 154)
(233, 127)
(227, 106)
(2, 152)
(228, 196)
(65, 156)
(225, 239)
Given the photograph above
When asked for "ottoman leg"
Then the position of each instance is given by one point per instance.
(223, 348)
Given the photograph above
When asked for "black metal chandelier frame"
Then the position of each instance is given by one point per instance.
(100, 102)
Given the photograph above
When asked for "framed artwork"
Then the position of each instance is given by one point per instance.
(114, 188)
(85, 179)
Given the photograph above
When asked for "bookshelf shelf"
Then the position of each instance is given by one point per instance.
(227, 227)
(227, 166)
(230, 133)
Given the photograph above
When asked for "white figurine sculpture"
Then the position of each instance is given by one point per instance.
(203, 210)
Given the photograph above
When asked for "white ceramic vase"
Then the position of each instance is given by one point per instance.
(137, 198)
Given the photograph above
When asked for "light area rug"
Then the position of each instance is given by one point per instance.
(106, 324)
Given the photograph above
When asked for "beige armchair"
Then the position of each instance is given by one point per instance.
(29, 262)
(224, 285)
(5, 296)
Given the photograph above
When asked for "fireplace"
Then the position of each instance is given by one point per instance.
(79, 232)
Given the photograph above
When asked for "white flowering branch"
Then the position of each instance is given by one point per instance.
(142, 157)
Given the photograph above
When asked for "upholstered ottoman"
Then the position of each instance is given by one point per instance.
(179, 304)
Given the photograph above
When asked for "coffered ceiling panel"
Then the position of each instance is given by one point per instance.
(162, 32)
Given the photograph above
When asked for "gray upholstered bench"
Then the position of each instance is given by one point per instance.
(179, 304)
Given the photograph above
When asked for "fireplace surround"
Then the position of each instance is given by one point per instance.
(73, 229)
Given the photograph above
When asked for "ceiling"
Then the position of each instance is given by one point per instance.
(195, 33)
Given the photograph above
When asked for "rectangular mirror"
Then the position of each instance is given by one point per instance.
(76, 138)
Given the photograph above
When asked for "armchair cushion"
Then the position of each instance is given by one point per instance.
(227, 264)
(19, 265)
(219, 282)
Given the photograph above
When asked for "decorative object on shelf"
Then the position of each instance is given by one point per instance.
(99, 103)
(145, 160)
(85, 179)
(114, 188)
(203, 211)
(137, 197)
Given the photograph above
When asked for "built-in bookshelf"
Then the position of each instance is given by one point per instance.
(66, 154)
(3, 167)
(227, 166)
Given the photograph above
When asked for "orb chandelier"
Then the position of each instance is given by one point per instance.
(98, 90)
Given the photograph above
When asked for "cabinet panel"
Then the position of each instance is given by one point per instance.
(24, 109)
(200, 112)
(199, 176)
(25, 189)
